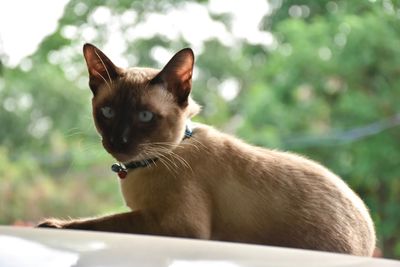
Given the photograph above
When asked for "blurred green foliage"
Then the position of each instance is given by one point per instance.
(327, 86)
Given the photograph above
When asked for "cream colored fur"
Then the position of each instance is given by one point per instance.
(229, 190)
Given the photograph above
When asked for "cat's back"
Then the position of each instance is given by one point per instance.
(278, 196)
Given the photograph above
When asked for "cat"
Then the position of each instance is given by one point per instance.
(202, 183)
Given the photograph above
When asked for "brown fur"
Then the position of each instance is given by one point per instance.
(212, 185)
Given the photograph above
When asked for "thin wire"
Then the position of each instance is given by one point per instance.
(344, 137)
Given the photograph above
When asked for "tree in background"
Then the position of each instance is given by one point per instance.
(323, 79)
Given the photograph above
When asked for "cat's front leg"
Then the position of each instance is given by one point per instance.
(129, 222)
(52, 223)
(138, 222)
(86, 224)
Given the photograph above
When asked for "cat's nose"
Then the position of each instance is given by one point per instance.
(119, 141)
(122, 140)
(125, 135)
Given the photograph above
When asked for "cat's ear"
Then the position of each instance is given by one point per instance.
(100, 67)
(177, 75)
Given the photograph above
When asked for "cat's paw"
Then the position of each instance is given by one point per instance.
(52, 223)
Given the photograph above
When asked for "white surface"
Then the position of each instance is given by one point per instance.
(62, 248)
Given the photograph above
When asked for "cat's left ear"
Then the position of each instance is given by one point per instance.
(177, 75)
(100, 67)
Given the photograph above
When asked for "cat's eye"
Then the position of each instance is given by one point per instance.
(145, 116)
(107, 112)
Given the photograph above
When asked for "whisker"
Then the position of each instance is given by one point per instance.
(168, 153)
(181, 160)
(170, 156)
(147, 156)
(164, 154)
(193, 138)
(160, 157)
(73, 131)
(167, 164)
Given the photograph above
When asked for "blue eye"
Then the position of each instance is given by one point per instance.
(107, 112)
(145, 116)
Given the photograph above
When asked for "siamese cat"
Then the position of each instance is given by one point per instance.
(201, 183)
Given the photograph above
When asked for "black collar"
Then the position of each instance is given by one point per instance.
(122, 169)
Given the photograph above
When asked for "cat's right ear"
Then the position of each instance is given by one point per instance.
(101, 69)
(177, 75)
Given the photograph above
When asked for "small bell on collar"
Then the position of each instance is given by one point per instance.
(120, 170)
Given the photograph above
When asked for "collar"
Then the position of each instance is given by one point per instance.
(122, 169)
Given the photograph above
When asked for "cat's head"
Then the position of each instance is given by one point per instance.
(138, 111)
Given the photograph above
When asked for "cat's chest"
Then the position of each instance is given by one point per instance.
(143, 189)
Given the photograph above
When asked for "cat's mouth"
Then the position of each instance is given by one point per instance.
(127, 158)
(122, 154)
(142, 152)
